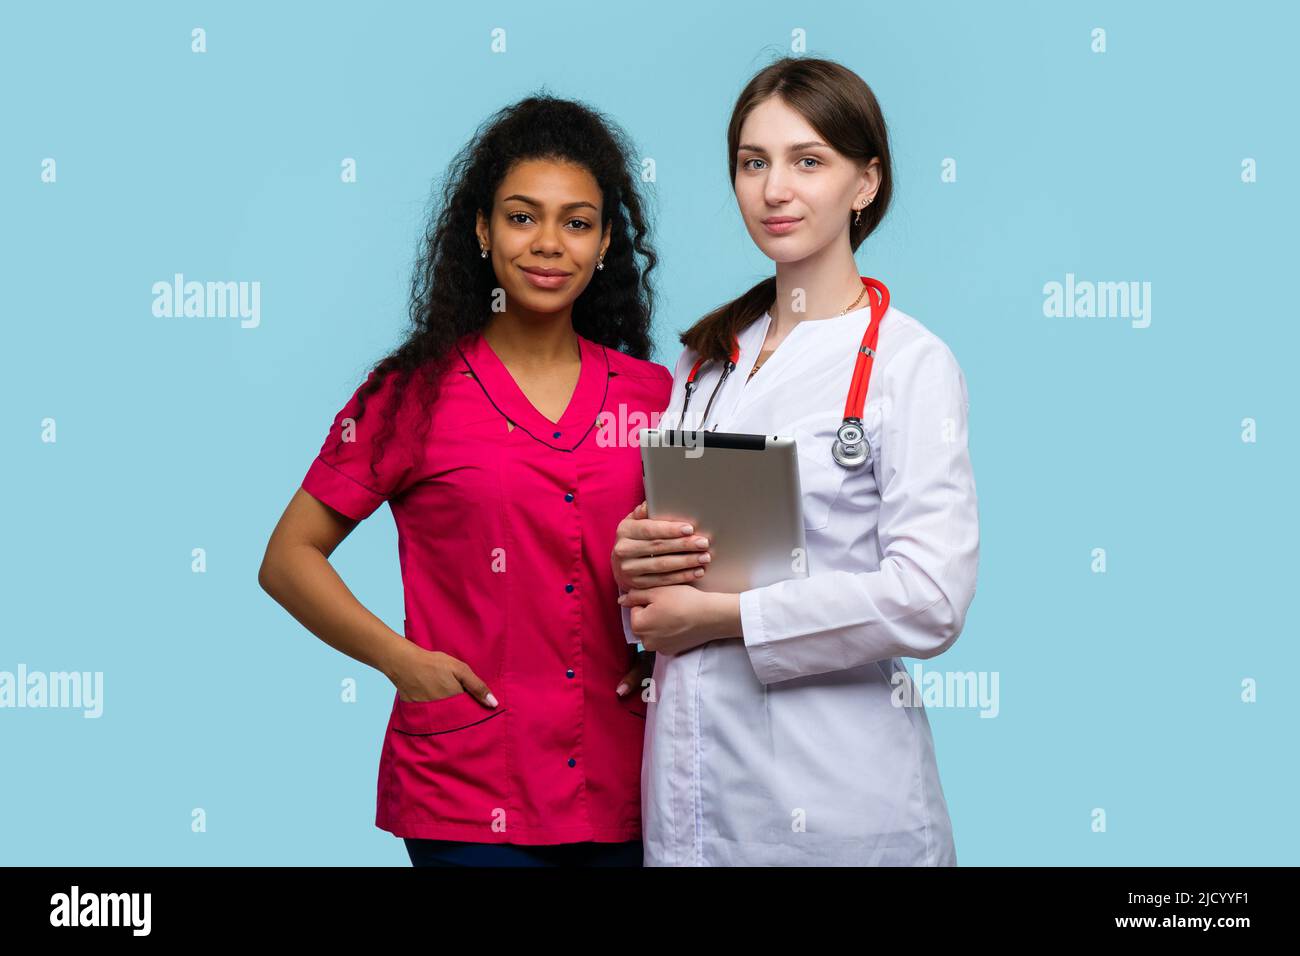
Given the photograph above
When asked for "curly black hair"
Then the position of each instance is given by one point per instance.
(452, 286)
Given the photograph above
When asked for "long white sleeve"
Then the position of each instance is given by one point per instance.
(915, 605)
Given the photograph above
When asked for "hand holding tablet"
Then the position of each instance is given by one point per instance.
(739, 491)
(651, 554)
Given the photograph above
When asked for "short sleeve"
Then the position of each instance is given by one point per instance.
(341, 475)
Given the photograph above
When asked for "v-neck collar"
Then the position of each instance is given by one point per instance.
(503, 391)
(751, 344)
(762, 325)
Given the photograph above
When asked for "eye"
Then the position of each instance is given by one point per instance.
(811, 159)
(581, 222)
(746, 163)
(511, 217)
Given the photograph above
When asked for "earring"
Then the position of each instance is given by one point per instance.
(600, 263)
(483, 255)
(857, 220)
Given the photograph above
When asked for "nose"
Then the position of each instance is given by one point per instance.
(547, 241)
(776, 187)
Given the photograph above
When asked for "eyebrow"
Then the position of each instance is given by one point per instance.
(533, 202)
(792, 148)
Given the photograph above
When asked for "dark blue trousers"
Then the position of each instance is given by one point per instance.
(455, 853)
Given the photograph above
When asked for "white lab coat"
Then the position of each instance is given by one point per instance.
(785, 748)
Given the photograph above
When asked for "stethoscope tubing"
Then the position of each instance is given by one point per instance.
(855, 401)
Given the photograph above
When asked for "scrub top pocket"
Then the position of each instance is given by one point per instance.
(821, 477)
(422, 718)
(444, 762)
(633, 704)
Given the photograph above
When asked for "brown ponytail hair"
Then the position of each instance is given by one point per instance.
(839, 105)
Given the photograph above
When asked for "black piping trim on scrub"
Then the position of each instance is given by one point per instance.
(608, 375)
(449, 730)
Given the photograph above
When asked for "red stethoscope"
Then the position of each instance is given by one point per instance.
(851, 448)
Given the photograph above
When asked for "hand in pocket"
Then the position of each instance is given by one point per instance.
(426, 676)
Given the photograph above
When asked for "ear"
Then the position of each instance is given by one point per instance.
(869, 183)
(604, 240)
(481, 230)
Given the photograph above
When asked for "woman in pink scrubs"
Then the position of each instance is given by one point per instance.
(503, 434)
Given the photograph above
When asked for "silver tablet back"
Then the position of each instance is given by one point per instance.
(740, 491)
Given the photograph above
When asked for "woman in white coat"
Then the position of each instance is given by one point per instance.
(781, 727)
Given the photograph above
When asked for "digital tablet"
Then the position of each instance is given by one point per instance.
(739, 491)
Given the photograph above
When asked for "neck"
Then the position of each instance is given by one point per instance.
(827, 281)
(529, 339)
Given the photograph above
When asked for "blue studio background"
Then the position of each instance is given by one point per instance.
(1166, 159)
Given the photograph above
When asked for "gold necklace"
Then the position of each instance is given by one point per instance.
(855, 301)
(843, 311)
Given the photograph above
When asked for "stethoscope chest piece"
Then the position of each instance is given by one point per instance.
(851, 448)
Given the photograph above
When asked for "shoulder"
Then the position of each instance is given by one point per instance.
(907, 350)
(625, 364)
(639, 372)
(400, 396)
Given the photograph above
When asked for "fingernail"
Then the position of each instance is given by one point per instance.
(687, 529)
(701, 542)
(492, 701)
(622, 689)
(705, 558)
(620, 598)
(698, 572)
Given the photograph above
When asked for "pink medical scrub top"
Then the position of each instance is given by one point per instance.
(504, 538)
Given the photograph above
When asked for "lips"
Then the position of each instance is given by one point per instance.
(545, 278)
(780, 225)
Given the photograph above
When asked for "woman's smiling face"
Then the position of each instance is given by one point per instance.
(544, 238)
(796, 193)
